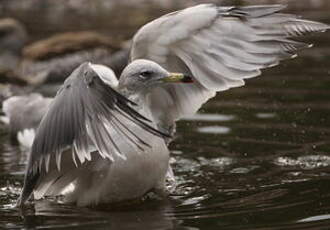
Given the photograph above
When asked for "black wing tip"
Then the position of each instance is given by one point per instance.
(162, 134)
(142, 121)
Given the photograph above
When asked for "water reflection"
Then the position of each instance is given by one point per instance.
(265, 115)
(53, 216)
(214, 129)
(210, 117)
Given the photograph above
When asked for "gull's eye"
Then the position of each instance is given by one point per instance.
(145, 74)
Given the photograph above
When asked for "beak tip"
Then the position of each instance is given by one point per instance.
(187, 79)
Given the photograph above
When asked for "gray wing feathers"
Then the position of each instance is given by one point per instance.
(82, 113)
(220, 46)
(236, 48)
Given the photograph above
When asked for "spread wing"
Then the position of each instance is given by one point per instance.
(219, 47)
(86, 118)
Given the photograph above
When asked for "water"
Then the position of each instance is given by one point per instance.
(256, 157)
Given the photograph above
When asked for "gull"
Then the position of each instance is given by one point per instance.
(23, 114)
(104, 141)
(92, 140)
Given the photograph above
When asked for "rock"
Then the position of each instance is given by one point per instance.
(12, 39)
(70, 42)
(53, 59)
(57, 69)
(9, 76)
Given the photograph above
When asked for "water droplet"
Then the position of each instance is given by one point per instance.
(210, 117)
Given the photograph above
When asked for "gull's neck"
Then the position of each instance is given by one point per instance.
(138, 97)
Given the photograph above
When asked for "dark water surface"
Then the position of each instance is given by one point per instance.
(256, 157)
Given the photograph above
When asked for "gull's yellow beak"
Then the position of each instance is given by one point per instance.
(177, 77)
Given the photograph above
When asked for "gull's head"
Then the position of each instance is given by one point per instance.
(141, 75)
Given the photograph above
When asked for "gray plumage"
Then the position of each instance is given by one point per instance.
(81, 115)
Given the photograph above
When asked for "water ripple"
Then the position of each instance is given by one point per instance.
(304, 162)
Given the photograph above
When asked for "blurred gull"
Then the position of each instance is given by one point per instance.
(23, 115)
(105, 138)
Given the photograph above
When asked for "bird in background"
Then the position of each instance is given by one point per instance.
(103, 140)
(23, 115)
